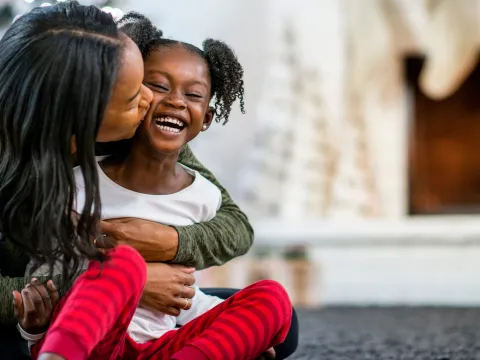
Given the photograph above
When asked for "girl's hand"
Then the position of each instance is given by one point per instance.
(33, 307)
(267, 355)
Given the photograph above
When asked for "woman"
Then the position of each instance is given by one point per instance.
(65, 68)
(49, 51)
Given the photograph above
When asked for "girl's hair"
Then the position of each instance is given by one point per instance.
(58, 66)
(226, 73)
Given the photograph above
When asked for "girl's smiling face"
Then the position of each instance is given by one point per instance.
(181, 86)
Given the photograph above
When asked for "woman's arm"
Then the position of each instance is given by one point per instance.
(219, 240)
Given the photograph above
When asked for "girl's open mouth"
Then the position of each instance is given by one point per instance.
(170, 124)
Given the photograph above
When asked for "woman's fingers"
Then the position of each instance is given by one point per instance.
(172, 311)
(187, 292)
(186, 279)
(53, 292)
(183, 303)
(104, 242)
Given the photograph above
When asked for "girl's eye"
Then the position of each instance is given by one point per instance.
(160, 87)
(195, 95)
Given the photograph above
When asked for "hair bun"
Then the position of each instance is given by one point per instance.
(227, 77)
(139, 28)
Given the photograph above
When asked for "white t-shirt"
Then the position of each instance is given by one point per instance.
(198, 202)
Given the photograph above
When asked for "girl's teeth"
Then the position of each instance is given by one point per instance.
(171, 120)
(168, 128)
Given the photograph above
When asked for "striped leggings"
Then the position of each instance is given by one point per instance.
(91, 321)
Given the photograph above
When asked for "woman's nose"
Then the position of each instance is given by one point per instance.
(147, 98)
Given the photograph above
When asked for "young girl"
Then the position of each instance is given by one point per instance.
(145, 180)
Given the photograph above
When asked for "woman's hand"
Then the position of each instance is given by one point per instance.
(168, 288)
(33, 307)
(155, 242)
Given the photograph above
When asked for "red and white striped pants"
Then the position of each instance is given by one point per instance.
(91, 320)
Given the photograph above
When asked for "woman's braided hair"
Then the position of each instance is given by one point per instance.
(226, 73)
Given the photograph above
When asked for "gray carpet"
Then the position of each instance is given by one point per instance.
(389, 333)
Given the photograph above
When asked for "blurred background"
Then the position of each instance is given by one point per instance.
(358, 160)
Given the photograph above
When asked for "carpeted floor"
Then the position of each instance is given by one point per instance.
(389, 333)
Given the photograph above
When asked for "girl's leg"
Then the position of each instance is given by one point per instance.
(282, 350)
(92, 319)
(245, 325)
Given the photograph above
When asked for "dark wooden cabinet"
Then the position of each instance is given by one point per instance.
(444, 147)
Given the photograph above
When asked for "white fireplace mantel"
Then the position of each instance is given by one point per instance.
(420, 231)
(416, 261)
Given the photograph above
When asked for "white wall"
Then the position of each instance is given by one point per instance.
(386, 273)
(251, 29)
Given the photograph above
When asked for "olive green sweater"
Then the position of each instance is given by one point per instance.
(202, 245)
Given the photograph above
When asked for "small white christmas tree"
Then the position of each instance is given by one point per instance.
(292, 161)
(355, 193)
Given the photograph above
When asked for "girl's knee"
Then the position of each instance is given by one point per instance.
(277, 293)
(272, 286)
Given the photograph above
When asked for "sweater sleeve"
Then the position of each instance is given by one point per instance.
(219, 240)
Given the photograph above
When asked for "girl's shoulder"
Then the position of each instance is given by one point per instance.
(201, 185)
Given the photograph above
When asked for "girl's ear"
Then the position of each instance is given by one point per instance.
(207, 121)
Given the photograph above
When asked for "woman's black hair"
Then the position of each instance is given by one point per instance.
(58, 66)
(226, 73)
